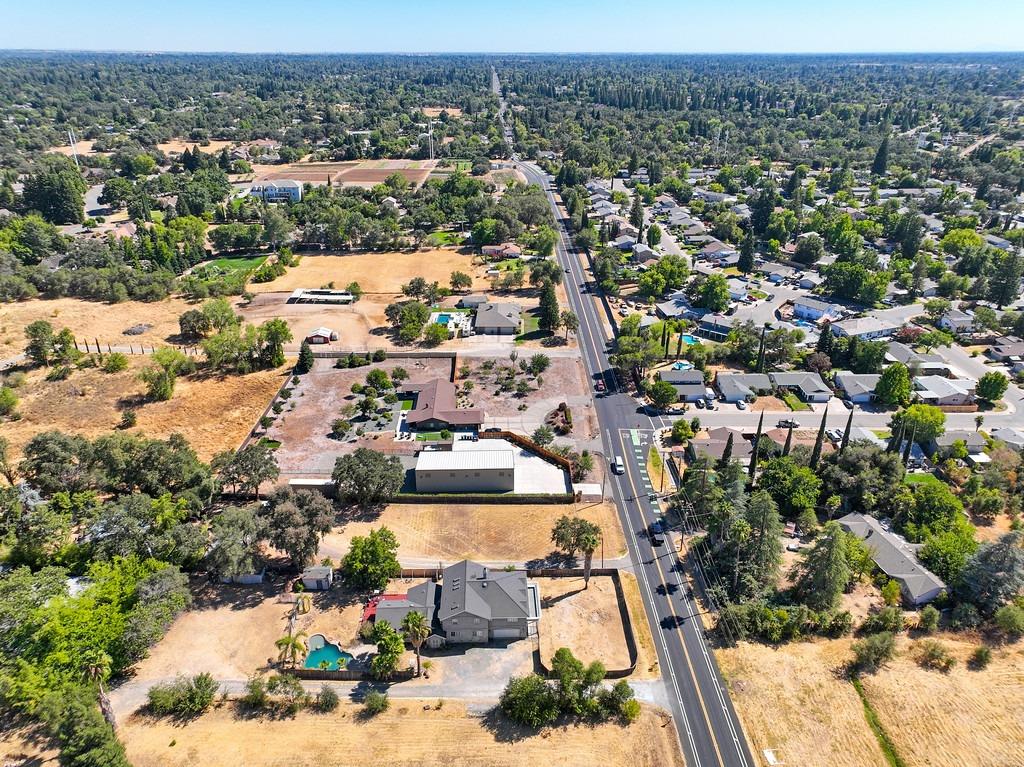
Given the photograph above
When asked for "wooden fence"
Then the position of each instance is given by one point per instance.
(533, 447)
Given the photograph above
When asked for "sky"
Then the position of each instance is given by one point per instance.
(527, 26)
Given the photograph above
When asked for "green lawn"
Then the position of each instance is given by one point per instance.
(406, 404)
(428, 436)
(508, 265)
(531, 328)
(463, 165)
(882, 433)
(240, 264)
(793, 402)
(440, 239)
(922, 479)
(273, 444)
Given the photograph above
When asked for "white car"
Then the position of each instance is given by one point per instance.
(742, 404)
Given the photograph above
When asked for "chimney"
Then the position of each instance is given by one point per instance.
(484, 576)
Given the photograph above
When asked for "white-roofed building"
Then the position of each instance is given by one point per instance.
(484, 469)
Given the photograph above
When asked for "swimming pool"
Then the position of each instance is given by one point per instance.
(682, 366)
(320, 650)
(443, 319)
(688, 339)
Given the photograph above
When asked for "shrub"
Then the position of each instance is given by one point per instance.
(327, 699)
(289, 689)
(115, 362)
(981, 657)
(255, 696)
(965, 616)
(376, 703)
(8, 400)
(630, 711)
(1010, 620)
(887, 619)
(529, 700)
(928, 620)
(934, 655)
(59, 373)
(873, 652)
(128, 419)
(184, 697)
(380, 355)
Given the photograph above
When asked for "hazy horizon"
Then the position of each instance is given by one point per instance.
(791, 27)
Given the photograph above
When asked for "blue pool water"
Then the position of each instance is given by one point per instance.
(330, 653)
(688, 339)
(682, 366)
(443, 319)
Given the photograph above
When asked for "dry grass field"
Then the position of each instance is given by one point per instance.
(584, 620)
(796, 700)
(498, 533)
(964, 717)
(365, 173)
(412, 733)
(212, 413)
(177, 146)
(91, 320)
(382, 273)
(436, 111)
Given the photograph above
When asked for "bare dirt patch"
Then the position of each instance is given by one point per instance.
(587, 621)
(793, 701)
(363, 173)
(177, 146)
(91, 320)
(376, 273)
(304, 427)
(436, 111)
(229, 632)
(429, 533)
(25, 745)
(429, 736)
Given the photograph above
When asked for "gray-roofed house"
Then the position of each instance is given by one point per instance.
(1011, 436)
(498, 319)
(808, 386)
(689, 384)
(896, 558)
(713, 446)
(472, 301)
(937, 390)
(421, 598)
(479, 604)
(715, 326)
(925, 364)
(676, 305)
(858, 388)
(957, 321)
(866, 328)
(734, 387)
(812, 309)
(317, 578)
(973, 441)
(281, 190)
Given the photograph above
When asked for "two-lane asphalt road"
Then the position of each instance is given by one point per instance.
(708, 727)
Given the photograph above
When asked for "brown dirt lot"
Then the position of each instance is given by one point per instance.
(584, 620)
(383, 273)
(364, 173)
(178, 146)
(229, 632)
(306, 447)
(26, 745)
(436, 111)
(91, 320)
(496, 533)
(361, 326)
(796, 700)
(430, 736)
(212, 413)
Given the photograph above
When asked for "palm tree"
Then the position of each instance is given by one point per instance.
(416, 631)
(303, 603)
(588, 542)
(291, 647)
(97, 669)
(978, 421)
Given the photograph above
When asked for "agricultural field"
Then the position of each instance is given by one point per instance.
(797, 700)
(432, 732)
(364, 173)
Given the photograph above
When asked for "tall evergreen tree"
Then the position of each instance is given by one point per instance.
(763, 555)
(1005, 285)
(726, 452)
(636, 214)
(746, 260)
(752, 469)
(823, 573)
(819, 441)
(881, 162)
(548, 308)
(846, 432)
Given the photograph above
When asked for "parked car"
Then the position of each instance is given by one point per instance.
(657, 540)
(700, 404)
(599, 385)
(787, 423)
(741, 405)
(618, 466)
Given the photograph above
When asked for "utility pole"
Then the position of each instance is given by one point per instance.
(74, 149)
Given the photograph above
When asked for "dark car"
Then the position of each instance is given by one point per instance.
(657, 540)
(700, 404)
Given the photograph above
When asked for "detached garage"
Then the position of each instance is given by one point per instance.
(322, 336)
